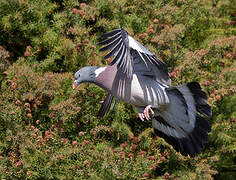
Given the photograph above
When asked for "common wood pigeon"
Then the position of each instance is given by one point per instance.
(138, 77)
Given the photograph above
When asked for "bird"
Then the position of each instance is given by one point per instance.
(136, 76)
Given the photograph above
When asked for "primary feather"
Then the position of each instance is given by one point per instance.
(129, 53)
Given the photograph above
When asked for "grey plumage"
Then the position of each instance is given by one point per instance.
(138, 77)
(127, 53)
(85, 74)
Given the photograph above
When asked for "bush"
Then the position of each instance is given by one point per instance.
(49, 131)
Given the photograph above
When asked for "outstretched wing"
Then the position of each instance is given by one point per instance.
(132, 57)
(143, 66)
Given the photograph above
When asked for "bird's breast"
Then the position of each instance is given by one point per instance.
(138, 90)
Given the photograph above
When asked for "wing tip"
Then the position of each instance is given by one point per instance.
(111, 33)
(117, 41)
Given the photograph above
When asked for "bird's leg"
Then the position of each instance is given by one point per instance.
(146, 112)
(141, 112)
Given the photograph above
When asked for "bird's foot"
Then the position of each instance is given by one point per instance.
(141, 116)
(145, 114)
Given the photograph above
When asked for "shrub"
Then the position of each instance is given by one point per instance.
(49, 131)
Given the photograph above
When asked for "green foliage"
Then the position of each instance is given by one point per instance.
(49, 131)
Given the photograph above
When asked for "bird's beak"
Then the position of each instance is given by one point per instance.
(75, 85)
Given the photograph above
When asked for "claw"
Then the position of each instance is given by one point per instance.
(141, 116)
(146, 112)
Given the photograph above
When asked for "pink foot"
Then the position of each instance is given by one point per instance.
(145, 114)
(141, 116)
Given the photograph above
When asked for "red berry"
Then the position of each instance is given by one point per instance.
(218, 97)
(85, 142)
(145, 175)
(92, 132)
(155, 21)
(79, 44)
(92, 47)
(123, 145)
(151, 157)
(142, 153)
(38, 102)
(134, 146)
(29, 115)
(81, 134)
(36, 130)
(114, 150)
(150, 31)
(29, 173)
(74, 143)
(163, 159)
(59, 157)
(135, 140)
(27, 53)
(108, 60)
(28, 47)
(27, 105)
(153, 166)
(74, 10)
(5, 73)
(53, 126)
(81, 12)
(83, 5)
(47, 133)
(131, 154)
(151, 26)
(86, 162)
(122, 153)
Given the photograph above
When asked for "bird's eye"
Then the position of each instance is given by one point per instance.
(79, 75)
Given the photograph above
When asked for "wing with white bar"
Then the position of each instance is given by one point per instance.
(131, 56)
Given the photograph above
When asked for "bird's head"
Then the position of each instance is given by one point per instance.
(85, 74)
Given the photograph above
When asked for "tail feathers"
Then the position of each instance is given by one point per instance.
(181, 123)
(200, 98)
(192, 144)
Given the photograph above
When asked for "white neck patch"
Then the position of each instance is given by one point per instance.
(99, 70)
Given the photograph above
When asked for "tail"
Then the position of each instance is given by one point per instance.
(182, 123)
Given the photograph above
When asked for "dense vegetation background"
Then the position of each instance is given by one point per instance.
(48, 130)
